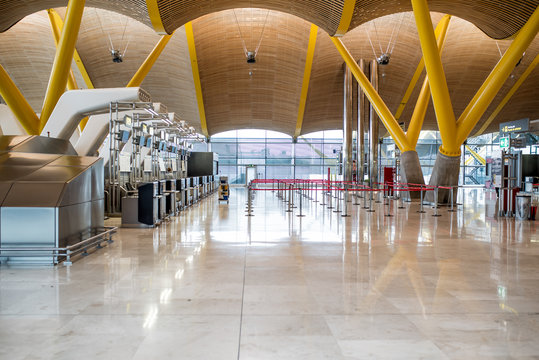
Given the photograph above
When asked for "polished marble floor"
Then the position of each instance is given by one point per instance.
(216, 284)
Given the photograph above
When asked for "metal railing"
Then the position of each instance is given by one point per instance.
(105, 235)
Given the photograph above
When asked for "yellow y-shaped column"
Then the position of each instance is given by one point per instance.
(18, 104)
(62, 61)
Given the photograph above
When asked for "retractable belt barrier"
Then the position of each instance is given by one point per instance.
(287, 189)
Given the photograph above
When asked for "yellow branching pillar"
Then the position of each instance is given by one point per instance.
(147, 65)
(63, 59)
(454, 133)
(18, 104)
(410, 167)
(56, 25)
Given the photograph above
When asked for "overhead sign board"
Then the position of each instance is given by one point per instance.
(517, 126)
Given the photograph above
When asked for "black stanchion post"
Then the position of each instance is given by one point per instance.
(345, 202)
(400, 200)
(388, 206)
(289, 200)
(452, 200)
(370, 201)
(338, 210)
(330, 196)
(300, 205)
(356, 197)
(436, 203)
(421, 211)
(249, 204)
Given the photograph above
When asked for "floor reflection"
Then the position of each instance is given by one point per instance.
(457, 286)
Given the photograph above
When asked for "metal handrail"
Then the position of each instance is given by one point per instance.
(68, 251)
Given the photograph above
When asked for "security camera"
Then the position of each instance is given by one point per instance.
(116, 56)
(383, 59)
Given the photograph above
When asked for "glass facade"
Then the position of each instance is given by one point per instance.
(276, 156)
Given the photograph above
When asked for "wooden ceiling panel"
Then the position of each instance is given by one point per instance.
(469, 56)
(251, 95)
(27, 53)
(269, 98)
(11, 11)
(497, 18)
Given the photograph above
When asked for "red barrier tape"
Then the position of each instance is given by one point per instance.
(357, 187)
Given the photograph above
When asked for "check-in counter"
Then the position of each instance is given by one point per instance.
(195, 189)
(181, 193)
(171, 198)
(162, 186)
(47, 200)
(202, 186)
(148, 205)
(190, 191)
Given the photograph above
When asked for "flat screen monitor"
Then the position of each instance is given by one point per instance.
(128, 121)
(148, 142)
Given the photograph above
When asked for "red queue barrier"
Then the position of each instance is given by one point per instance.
(333, 185)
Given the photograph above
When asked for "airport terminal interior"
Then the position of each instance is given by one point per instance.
(277, 179)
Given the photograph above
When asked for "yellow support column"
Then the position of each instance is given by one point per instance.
(155, 17)
(346, 17)
(410, 89)
(418, 71)
(507, 97)
(18, 104)
(196, 77)
(53, 15)
(378, 104)
(416, 123)
(58, 23)
(56, 27)
(437, 81)
(306, 78)
(63, 59)
(497, 77)
(146, 66)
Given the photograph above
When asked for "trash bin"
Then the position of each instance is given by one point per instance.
(523, 205)
(491, 203)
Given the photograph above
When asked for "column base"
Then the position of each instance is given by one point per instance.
(445, 173)
(411, 173)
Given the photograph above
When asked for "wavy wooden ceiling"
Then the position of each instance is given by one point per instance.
(468, 57)
(28, 49)
(269, 98)
(497, 18)
(11, 11)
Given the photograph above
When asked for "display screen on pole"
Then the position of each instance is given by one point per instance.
(128, 121)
